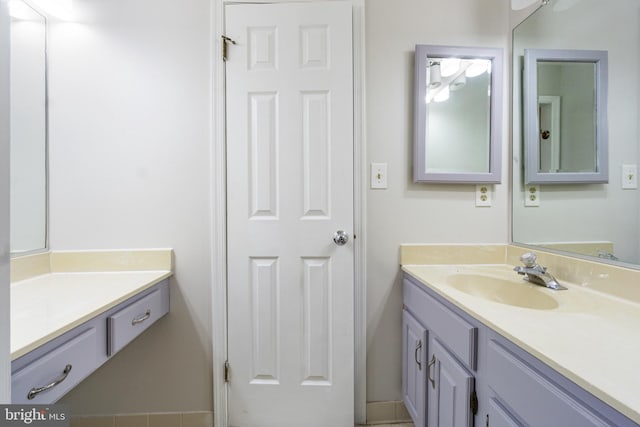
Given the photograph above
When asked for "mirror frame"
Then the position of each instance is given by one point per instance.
(422, 54)
(531, 123)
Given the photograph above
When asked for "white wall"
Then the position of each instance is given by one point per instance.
(407, 212)
(129, 157)
(5, 359)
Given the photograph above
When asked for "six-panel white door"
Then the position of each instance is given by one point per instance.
(290, 188)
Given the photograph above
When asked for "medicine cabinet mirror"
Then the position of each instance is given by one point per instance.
(565, 116)
(458, 101)
(28, 129)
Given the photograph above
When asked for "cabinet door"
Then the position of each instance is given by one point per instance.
(414, 368)
(450, 388)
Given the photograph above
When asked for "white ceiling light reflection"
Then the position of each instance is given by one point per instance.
(442, 95)
(61, 9)
(477, 67)
(20, 10)
(449, 66)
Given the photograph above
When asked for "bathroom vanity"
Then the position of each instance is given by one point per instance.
(477, 351)
(68, 321)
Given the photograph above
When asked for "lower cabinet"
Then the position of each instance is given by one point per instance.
(48, 372)
(439, 353)
(457, 372)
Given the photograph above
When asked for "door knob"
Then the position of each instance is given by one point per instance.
(340, 237)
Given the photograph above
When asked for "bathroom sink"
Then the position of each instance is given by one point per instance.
(514, 292)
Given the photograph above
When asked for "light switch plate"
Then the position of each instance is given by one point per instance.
(532, 195)
(484, 195)
(629, 177)
(378, 175)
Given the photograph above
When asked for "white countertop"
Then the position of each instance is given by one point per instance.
(46, 306)
(591, 338)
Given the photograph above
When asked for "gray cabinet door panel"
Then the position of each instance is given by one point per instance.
(414, 367)
(450, 394)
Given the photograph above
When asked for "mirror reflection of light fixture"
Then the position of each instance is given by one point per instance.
(61, 9)
(449, 66)
(458, 83)
(442, 95)
(477, 67)
(20, 10)
(435, 79)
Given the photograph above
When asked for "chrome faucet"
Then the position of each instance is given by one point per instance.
(534, 273)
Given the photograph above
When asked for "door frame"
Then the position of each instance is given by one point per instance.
(218, 224)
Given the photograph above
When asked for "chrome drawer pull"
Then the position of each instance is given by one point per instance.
(141, 319)
(37, 390)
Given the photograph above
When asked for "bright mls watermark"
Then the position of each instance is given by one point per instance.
(34, 415)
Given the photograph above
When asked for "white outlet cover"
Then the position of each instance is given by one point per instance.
(484, 195)
(531, 195)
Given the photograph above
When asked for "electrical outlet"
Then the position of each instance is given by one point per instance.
(484, 195)
(532, 195)
(379, 175)
(629, 177)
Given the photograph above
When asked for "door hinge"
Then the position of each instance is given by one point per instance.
(225, 41)
(474, 403)
(227, 371)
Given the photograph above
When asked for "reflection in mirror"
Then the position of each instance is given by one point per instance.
(597, 220)
(457, 136)
(565, 112)
(28, 129)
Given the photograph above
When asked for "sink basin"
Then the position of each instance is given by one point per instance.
(511, 292)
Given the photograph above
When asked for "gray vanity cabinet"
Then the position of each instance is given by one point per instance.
(439, 354)
(475, 374)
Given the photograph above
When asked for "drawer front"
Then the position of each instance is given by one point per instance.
(126, 324)
(530, 395)
(458, 335)
(45, 378)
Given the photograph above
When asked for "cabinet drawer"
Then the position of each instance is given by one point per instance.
(532, 396)
(126, 324)
(56, 372)
(458, 335)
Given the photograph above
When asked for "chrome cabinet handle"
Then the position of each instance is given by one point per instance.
(341, 237)
(432, 362)
(141, 319)
(415, 354)
(37, 390)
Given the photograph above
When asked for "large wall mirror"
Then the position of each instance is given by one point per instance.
(565, 116)
(599, 219)
(28, 109)
(458, 100)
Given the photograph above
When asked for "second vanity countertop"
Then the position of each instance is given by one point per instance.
(589, 337)
(53, 302)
